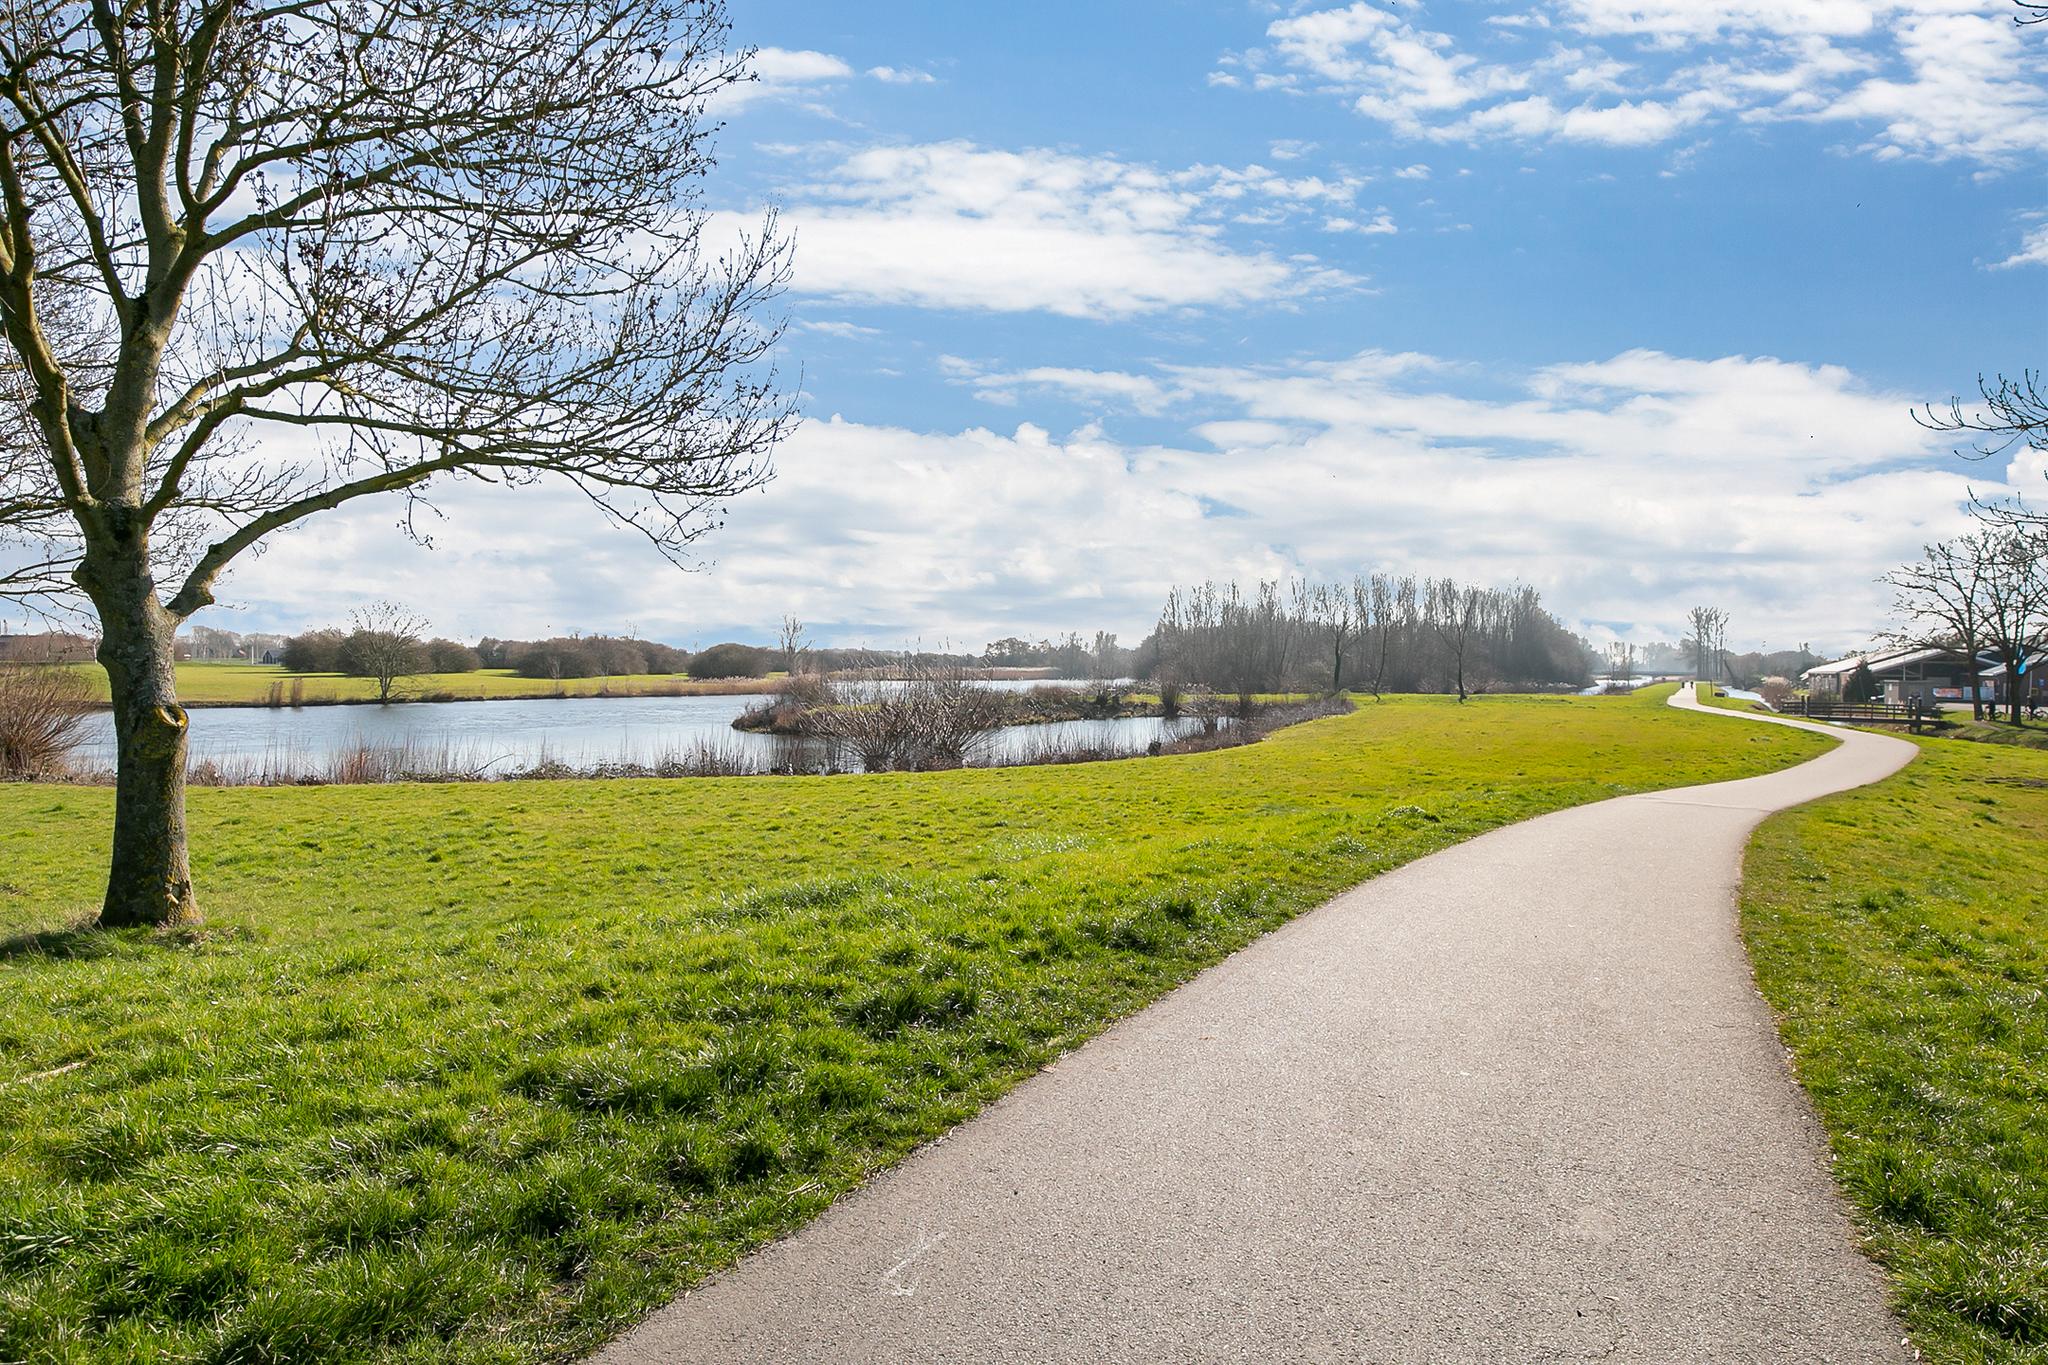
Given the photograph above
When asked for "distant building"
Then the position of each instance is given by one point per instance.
(1828, 681)
(2033, 681)
(1929, 674)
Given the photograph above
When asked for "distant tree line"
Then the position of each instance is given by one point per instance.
(361, 651)
(386, 643)
(1069, 657)
(1377, 633)
(582, 656)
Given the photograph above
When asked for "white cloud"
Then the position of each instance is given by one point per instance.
(1959, 98)
(1624, 488)
(1703, 19)
(845, 331)
(1390, 70)
(1938, 79)
(1629, 124)
(953, 225)
(2033, 250)
(782, 73)
(1418, 171)
(898, 75)
(1113, 388)
(1380, 224)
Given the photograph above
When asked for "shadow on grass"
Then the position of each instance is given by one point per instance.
(84, 939)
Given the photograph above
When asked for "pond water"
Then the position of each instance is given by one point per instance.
(506, 736)
(1601, 685)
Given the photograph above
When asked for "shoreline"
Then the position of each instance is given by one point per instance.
(554, 690)
(445, 699)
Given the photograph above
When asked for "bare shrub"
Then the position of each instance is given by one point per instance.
(1206, 707)
(1775, 692)
(933, 718)
(42, 718)
(1070, 748)
(1052, 697)
(1108, 695)
(1170, 693)
(706, 758)
(786, 706)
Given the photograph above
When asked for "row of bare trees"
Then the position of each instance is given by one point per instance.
(1377, 633)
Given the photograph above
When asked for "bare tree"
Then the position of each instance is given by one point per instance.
(430, 242)
(1709, 626)
(1335, 612)
(1386, 610)
(790, 644)
(2009, 411)
(1943, 597)
(386, 645)
(2014, 615)
(1372, 608)
(1453, 613)
(1621, 661)
(1105, 663)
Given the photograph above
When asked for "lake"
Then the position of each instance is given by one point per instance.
(1628, 684)
(582, 732)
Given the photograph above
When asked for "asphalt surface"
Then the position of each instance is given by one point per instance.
(1517, 1101)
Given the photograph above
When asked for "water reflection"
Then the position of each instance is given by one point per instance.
(496, 737)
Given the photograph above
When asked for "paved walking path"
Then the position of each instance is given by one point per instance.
(1517, 1101)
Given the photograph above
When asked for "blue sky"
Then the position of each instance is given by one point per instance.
(1624, 298)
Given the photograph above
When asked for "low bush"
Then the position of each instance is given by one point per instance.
(43, 713)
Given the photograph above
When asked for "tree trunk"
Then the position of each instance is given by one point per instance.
(150, 881)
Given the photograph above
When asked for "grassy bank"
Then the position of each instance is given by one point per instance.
(1902, 933)
(2025, 735)
(481, 1073)
(1711, 695)
(229, 684)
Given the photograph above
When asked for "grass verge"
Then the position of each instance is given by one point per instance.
(1901, 932)
(483, 1073)
(2026, 735)
(1710, 695)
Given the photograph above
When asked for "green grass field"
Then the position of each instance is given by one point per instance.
(1902, 933)
(1711, 695)
(483, 1072)
(230, 684)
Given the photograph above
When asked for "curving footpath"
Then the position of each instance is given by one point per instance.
(1516, 1101)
